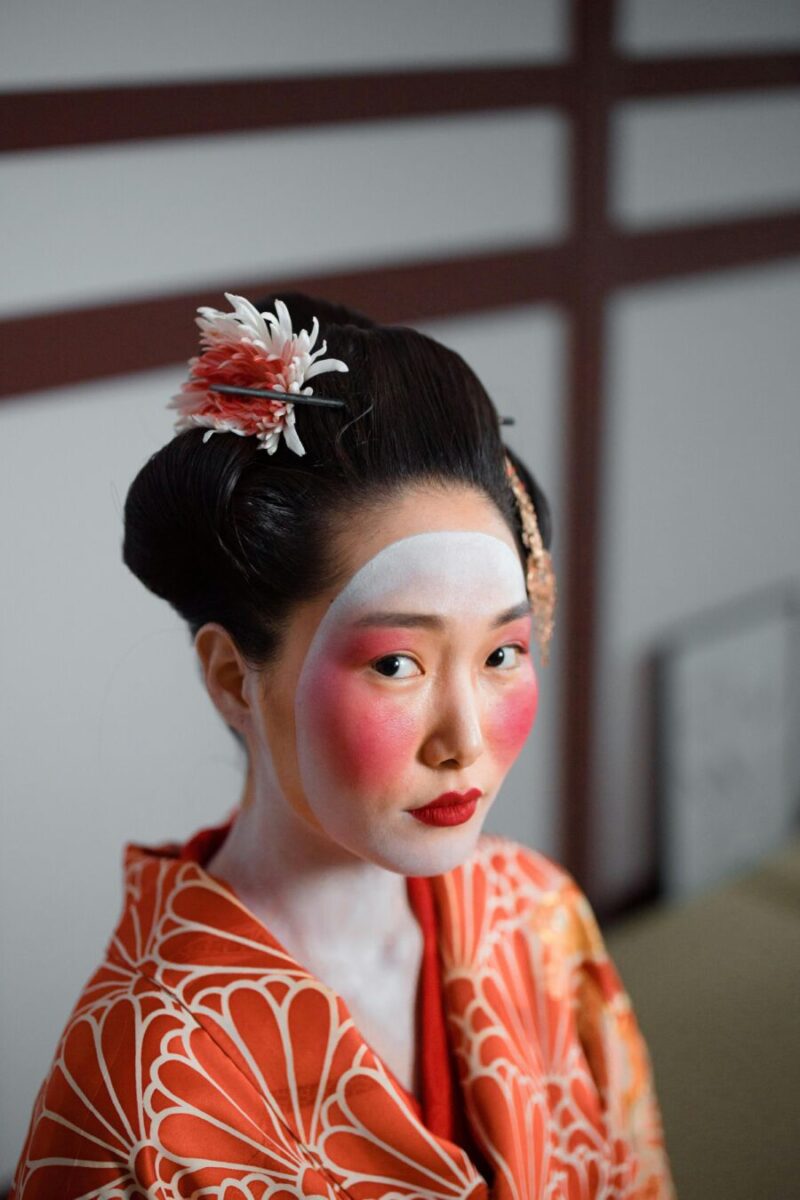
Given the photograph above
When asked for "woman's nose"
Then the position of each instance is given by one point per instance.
(455, 736)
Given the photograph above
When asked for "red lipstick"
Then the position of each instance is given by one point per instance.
(451, 808)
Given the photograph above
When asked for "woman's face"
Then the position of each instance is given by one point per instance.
(413, 680)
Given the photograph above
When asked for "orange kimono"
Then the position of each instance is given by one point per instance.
(203, 1061)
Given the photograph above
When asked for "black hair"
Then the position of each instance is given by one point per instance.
(226, 532)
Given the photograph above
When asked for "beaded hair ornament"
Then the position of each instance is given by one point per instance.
(539, 575)
(252, 356)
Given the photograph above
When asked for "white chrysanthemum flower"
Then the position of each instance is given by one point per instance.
(252, 350)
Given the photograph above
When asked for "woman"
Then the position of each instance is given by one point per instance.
(346, 989)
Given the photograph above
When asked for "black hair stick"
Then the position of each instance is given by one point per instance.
(286, 397)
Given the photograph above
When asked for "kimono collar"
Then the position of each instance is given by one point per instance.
(289, 1034)
(521, 957)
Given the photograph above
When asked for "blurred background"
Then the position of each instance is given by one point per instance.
(597, 203)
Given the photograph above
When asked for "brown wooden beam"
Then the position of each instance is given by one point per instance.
(88, 116)
(582, 450)
(152, 331)
(38, 120)
(54, 349)
(654, 255)
(655, 77)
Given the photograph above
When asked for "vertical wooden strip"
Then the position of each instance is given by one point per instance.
(592, 46)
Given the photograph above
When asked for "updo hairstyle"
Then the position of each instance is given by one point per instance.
(226, 532)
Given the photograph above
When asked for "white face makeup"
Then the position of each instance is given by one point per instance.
(449, 707)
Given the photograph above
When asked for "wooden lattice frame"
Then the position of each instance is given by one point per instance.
(578, 273)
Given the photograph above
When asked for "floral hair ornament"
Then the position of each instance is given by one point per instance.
(539, 576)
(251, 363)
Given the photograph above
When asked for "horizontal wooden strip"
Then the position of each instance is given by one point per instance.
(655, 77)
(85, 116)
(54, 349)
(145, 333)
(640, 258)
(40, 120)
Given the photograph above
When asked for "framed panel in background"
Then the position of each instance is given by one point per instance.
(727, 717)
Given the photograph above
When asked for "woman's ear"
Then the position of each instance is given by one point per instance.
(224, 672)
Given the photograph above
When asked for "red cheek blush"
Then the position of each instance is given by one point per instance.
(366, 739)
(511, 719)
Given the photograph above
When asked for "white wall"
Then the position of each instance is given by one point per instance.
(682, 160)
(46, 43)
(666, 27)
(142, 218)
(703, 422)
(702, 500)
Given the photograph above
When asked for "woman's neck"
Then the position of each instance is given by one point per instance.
(310, 893)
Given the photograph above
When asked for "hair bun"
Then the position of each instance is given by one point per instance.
(177, 528)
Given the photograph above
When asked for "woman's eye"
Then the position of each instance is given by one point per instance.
(388, 666)
(507, 657)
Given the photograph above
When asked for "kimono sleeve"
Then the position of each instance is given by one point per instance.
(615, 1050)
(141, 1101)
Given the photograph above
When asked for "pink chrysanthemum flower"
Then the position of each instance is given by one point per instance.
(246, 348)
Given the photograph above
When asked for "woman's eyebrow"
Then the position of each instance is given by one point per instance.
(431, 621)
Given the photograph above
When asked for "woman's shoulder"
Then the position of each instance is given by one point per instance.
(506, 886)
(519, 927)
(509, 866)
(495, 852)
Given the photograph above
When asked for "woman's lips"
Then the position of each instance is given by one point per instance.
(451, 808)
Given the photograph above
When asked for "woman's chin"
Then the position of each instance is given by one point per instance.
(406, 844)
(424, 850)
